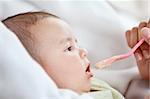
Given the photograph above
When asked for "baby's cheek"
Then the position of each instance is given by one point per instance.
(76, 64)
(81, 67)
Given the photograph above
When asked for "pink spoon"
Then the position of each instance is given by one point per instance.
(109, 61)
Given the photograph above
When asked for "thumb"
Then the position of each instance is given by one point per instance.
(146, 34)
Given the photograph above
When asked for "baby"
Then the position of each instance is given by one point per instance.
(50, 41)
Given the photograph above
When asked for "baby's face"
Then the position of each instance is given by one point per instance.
(64, 61)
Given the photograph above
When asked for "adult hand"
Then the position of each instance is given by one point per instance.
(142, 54)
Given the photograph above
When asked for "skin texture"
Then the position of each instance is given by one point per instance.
(142, 54)
(61, 57)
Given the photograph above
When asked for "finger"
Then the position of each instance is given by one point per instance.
(141, 25)
(127, 37)
(143, 64)
(133, 39)
(146, 34)
(144, 68)
(131, 36)
(138, 55)
(144, 46)
(146, 54)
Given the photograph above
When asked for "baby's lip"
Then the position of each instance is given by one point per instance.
(88, 71)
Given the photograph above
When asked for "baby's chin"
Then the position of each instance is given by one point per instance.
(86, 89)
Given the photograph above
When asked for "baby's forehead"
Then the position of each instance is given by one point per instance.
(68, 39)
(52, 28)
(53, 25)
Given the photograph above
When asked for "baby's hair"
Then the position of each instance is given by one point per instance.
(20, 24)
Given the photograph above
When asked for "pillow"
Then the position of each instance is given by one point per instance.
(23, 78)
(20, 76)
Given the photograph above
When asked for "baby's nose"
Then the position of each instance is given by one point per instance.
(83, 53)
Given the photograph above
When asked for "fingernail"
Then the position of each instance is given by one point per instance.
(138, 56)
(145, 32)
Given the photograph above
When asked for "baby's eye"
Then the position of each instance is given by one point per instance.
(70, 48)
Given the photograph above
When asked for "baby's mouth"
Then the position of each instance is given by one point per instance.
(88, 71)
(88, 68)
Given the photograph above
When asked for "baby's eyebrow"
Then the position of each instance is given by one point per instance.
(67, 39)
